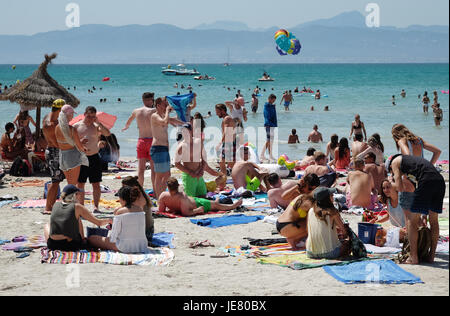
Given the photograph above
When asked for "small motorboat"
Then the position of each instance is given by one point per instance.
(181, 70)
(205, 77)
(266, 77)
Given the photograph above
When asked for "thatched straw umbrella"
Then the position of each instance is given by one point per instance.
(39, 90)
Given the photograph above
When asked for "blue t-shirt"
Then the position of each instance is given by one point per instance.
(270, 115)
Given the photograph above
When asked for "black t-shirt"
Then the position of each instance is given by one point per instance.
(419, 170)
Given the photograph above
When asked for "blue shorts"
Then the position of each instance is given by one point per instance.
(161, 158)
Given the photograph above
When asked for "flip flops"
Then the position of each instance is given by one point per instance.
(202, 244)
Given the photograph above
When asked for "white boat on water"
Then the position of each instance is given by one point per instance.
(180, 70)
(266, 77)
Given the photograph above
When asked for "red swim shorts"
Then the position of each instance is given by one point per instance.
(143, 148)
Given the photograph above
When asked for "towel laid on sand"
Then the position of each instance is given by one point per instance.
(25, 242)
(31, 204)
(153, 257)
(163, 240)
(226, 220)
(377, 271)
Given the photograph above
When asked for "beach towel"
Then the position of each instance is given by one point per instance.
(153, 257)
(3, 203)
(31, 204)
(180, 103)
(163, 240)
(28, 183)
(108, 204)
(227, 220)
(25, 242)
(377, 271)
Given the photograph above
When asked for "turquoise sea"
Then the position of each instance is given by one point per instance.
(366, 89)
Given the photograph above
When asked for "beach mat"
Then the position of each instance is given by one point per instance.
(25, 242)
(31, 204)
(163, 240)
(377, 271)
(153, 257)
(226, 220)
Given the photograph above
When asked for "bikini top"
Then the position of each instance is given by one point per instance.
(357, 126)
(301, 212)
(411, 152)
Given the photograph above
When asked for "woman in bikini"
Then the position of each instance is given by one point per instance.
(292, 223)
(23, 120)
(72, 154)
(426, 102)
(358, 127)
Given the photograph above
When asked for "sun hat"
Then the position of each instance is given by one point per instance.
(59, 103)
(67, 109)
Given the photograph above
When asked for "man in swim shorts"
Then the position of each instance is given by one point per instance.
(178, 202)
(143, 119)
(361, 189)
(191, 159)
(245, 172)
(159, 152)
(227, 146)
(89, 130)
(326, 174)
(49, 124)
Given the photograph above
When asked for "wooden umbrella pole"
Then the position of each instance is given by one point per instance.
(38, 122)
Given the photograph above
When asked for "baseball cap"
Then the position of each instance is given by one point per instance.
(322, 196)
(389, 162)
(59, 103)
(70, 189)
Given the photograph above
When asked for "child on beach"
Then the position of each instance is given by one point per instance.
(293, 138)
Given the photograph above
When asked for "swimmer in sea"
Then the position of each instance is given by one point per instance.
(326, 109)
(393, 100)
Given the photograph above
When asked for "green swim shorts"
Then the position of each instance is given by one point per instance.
(194, 187)
(203, 202)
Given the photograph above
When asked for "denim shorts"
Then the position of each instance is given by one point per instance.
(406, 200)
(329, 255)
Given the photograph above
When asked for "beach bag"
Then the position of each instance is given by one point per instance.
(20, 168)
(357, 247)
(423, 246)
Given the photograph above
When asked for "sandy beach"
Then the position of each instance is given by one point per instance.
(193, 272)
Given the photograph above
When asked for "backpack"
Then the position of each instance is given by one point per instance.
(20, 168)
(357, 248)
(423, 246)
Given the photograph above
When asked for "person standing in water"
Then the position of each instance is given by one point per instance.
(358, 127)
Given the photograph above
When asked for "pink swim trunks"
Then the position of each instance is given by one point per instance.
(373, 201)
(143, 148)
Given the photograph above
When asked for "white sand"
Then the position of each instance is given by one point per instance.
(193, 272)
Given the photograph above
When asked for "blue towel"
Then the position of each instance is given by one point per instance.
(226, 220)
(163, 240)
(180, 103)
(375, 271)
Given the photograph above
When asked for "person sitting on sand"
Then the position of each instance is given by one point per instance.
(331, 146)
(143, 202)
(277, 190)
(373, 147)
(325, 226)
(292, 223)
(377, 171)
(360, 188)
(326, 174)
(15, 146)
(293, 138)
(65, 231)
(244, 170)
(358, 146)
(178, 202)
(315, 136)
(128, 229)
(307, 160)
(390, 197)
(342, 155)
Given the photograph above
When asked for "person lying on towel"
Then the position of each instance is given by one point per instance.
(178, 202)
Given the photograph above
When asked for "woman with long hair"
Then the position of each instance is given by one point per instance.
(145, 203)
(128, 228)
(374, 147)
(331, 146)
(410, 144)
(342, 154)
(72, 154)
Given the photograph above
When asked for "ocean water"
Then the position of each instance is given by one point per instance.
(366, 89)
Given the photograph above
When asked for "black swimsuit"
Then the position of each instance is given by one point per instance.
(280, 226)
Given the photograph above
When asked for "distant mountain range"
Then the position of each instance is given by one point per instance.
(342, 39)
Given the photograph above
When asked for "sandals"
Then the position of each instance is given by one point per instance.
(202, 244)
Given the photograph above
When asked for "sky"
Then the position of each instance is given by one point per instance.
(29, 17)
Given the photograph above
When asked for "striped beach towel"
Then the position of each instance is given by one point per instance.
(154, 257)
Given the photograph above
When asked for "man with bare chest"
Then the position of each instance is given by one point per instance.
(49, 124)
(143, 119)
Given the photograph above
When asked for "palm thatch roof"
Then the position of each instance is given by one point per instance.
(39, 90)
